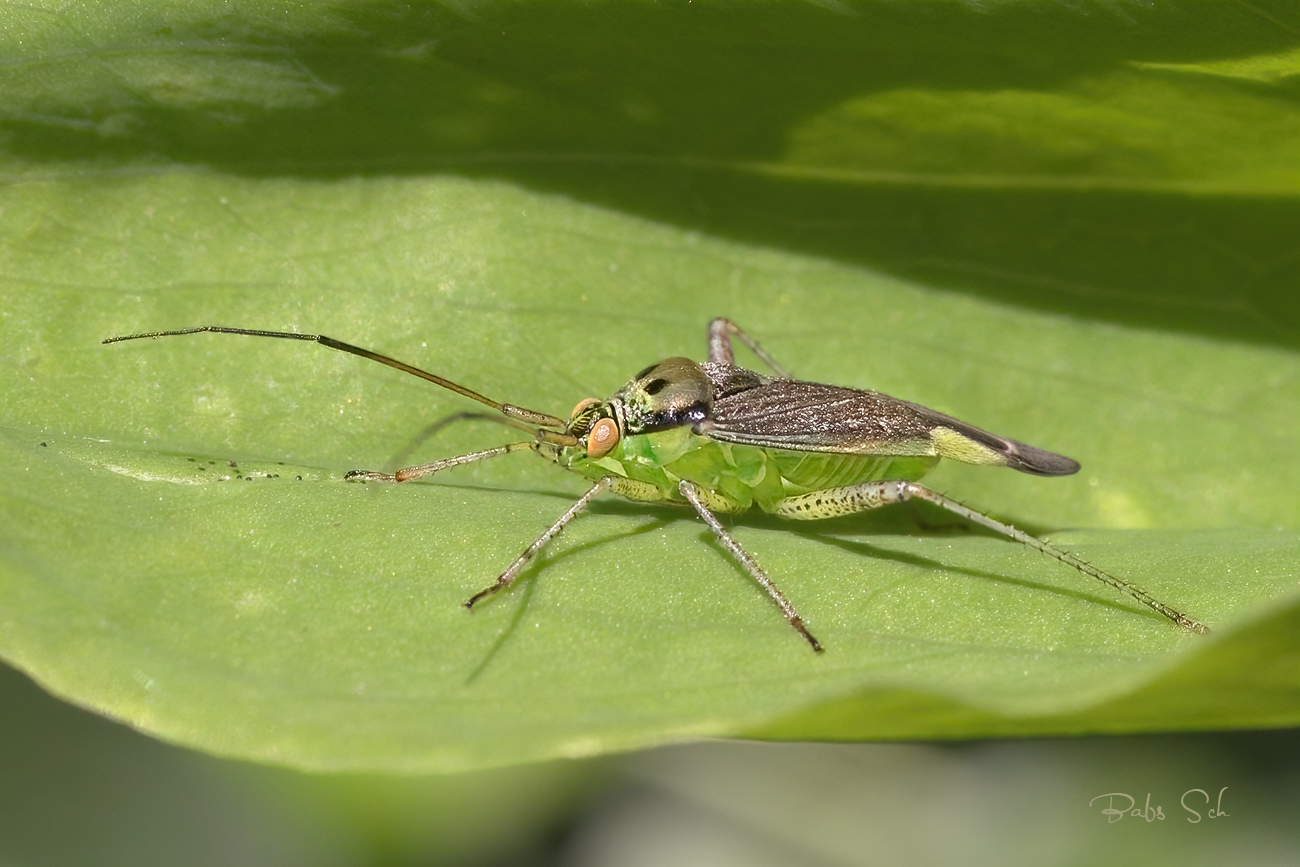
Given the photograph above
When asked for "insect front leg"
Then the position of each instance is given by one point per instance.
(698, 497)
(852, 499)
(417, 442)
(721, 330)
(406, 474)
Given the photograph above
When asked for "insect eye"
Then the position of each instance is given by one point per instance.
(582, 406)
(602, 439)
(584, 415)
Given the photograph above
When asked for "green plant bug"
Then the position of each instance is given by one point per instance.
(722, 439)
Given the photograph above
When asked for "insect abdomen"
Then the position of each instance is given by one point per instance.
(816, 471)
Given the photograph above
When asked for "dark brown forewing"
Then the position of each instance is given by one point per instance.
(807, 416)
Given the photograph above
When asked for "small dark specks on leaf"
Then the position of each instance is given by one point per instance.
(45, 445)
(248, 478)
(300, 478)
(231, 464)
(191, 460)
(203, 469)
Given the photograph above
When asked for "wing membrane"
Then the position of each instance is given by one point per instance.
(755, 410)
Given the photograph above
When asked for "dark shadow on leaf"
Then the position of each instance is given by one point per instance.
(536, 570)
(508, 630)
(890, 521)
(688, 114)
(902, 522)
(867, 550)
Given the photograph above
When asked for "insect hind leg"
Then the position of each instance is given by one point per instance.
(834, 502)
(721, 330)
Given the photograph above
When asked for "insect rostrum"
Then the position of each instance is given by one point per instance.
(723, 439)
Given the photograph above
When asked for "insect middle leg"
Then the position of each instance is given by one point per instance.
(698, 498)
(852, 499)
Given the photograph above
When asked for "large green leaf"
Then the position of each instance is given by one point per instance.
(1043, 248)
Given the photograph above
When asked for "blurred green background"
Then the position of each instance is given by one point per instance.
(77, 789)
(1118, 164)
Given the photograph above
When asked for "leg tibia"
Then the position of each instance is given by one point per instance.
(506, 578)
(408, 473)
(699, 497)
(720, 333)
(835, 502)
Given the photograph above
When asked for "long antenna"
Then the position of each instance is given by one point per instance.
(506, 409)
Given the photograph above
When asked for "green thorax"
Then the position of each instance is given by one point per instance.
(745, 475)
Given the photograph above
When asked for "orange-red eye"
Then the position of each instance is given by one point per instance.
(602, 439)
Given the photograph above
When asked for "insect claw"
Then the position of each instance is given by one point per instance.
(797, 623)
(484, 593)
(368, 476)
